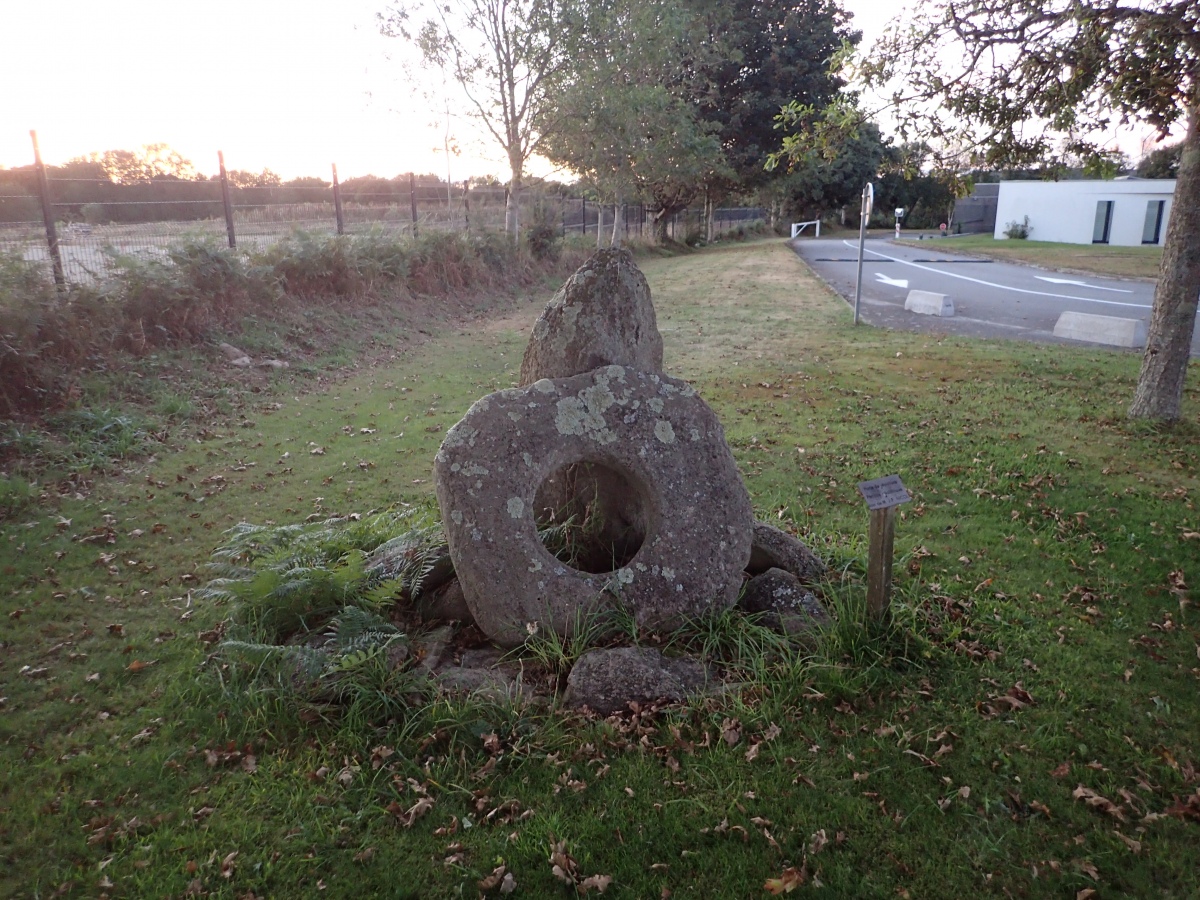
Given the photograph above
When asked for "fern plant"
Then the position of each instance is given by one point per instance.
(288, 579)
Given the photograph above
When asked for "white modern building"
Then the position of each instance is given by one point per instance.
(1129, 212)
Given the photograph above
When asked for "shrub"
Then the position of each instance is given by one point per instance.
(543, 241)
(43, 336)
(1018, 231)
(321, 265)
(203, 287)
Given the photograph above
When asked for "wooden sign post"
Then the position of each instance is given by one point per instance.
(883, 495)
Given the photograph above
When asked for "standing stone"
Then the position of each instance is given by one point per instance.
(602, 316)
(657, 437)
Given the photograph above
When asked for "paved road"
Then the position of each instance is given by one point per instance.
(991, 299)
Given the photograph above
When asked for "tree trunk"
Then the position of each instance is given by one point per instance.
(1159, 393)
(512, 209)
(618, 222)
(660, 219)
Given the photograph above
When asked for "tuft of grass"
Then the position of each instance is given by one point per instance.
(16, 495)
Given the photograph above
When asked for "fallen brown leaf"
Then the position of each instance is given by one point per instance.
(599, 882)
(791, 879)
(1095, 801)
(493, 880)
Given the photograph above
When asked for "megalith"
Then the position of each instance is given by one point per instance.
(689, 516)
(601, 316)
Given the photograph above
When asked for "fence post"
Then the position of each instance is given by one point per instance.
(562, 213)
(412, 200)
(467, 205)
(583, 216)
(60, 278)
(227, 201)
(337, 203)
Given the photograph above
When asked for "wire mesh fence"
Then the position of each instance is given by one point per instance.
(93, 224)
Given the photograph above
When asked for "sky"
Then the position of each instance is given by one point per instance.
(289, 85)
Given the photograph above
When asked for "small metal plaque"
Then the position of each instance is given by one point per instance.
(881, 493)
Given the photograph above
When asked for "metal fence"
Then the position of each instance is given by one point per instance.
(82, 228)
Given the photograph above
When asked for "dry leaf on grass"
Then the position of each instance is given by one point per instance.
(493, 881)
(1135, 846)
(791, 879)
(599, 882)
(1096, 801)
(406, 818)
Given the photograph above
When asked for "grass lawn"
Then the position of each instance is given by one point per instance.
(1098, 259)
(1028, 726)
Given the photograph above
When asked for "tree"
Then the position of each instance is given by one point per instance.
(761, 56)
(504, 55)
(819, 180)
(153, 162)
(1024, 81)
(634, 123)
(241, 178)
(1160, 163)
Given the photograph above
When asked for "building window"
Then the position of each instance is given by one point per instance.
(1103, 225)
(1152, 230)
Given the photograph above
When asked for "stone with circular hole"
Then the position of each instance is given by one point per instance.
(689, 535)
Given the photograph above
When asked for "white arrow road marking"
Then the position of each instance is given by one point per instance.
(1094, 287)
(1003, 287)
(894, 282)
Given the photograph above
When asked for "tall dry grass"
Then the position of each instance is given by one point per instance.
(203, 291)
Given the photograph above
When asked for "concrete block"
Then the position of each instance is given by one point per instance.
(927, 303)
(1117, 332)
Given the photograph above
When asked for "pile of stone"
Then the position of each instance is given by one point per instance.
(598, 437)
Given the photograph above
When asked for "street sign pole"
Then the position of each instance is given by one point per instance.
(868, 199)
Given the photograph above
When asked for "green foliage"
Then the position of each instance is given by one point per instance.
(1018, 231)
(306, 625)
(558, 653)
(201, 287)
(100, 435)
(309, 264)
(287, 579)
(1138, 62)
(16, 494)
(544, 241)
(361, 667)
(51, 342)
(763, 56)
(1162, 162)
(737, 642)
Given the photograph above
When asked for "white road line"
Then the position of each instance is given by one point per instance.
(1003, 287)
(1094, 287)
